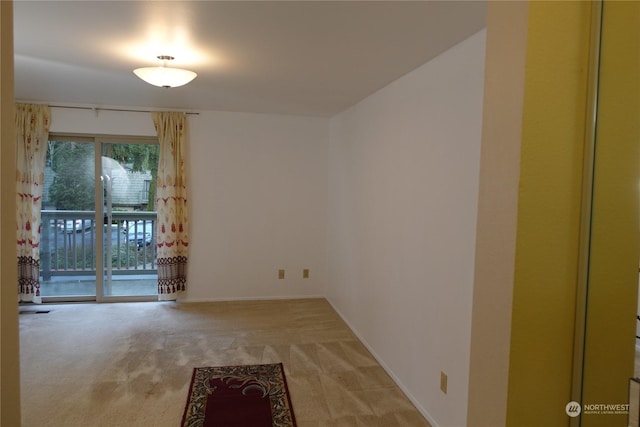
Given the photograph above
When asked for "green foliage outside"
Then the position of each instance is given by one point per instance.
(123, 257)
(73, 187)
(127, 256)
(73, 163)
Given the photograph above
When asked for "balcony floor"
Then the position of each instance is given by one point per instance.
(81, 286)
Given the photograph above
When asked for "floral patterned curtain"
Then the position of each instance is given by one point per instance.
(32, 134)
(171, 205)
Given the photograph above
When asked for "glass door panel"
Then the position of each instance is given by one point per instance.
(129, 218)
(68, 256)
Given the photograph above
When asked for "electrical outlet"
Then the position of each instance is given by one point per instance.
(443, 382)
(280, 274)
(305, 273)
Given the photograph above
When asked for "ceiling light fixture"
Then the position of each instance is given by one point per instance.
(165, 76)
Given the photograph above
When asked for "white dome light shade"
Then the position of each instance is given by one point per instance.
(165, 76)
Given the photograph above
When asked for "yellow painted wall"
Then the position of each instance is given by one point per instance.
(9, 358)
(615, 244)
(549, 211)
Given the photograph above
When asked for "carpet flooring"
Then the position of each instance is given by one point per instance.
(130, 364)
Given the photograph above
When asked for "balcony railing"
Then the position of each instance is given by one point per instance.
(68, 243)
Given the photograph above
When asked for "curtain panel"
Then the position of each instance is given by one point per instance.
(32, 135)
(171, 205)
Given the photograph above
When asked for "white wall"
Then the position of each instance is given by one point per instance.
(257, 198)
(102, 122)
(258, 204)
(403, 185)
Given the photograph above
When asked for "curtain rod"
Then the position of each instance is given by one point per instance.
(110, 109)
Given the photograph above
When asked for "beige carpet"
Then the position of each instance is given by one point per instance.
(129, 364)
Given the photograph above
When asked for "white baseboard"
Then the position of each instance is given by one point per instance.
(393, 376)
(262, 298)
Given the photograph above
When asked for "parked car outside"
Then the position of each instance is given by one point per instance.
(140, 233)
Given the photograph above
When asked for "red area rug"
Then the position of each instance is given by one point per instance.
(239, 396)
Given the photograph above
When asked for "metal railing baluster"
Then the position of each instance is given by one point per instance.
(70, 251)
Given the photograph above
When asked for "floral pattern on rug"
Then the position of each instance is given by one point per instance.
(267, 380)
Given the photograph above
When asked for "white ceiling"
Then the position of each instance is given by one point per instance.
(291, 57)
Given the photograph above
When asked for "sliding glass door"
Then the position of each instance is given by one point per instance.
(98, 217)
